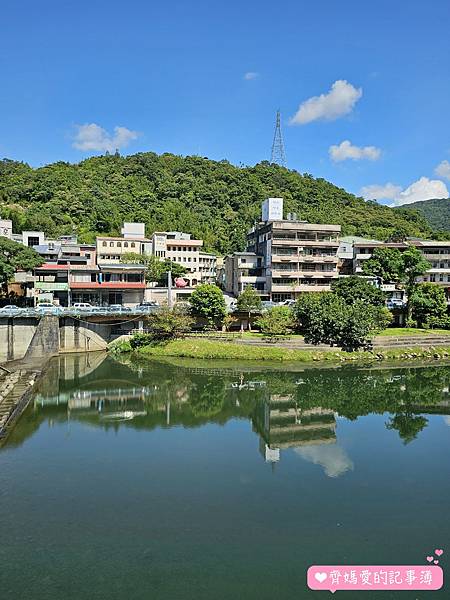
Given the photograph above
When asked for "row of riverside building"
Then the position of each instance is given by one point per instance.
(98, 274)
(285, 257)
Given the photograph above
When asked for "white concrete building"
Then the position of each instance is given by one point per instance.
(111, 249)
(179, 247)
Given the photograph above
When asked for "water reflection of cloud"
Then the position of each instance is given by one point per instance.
(334, 459)
(447, 420)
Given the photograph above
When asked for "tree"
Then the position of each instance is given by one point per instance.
(428, 301)
(276, 322)
(165, 324)
(325, 318)
(249, 300)
(385, 263)
(157, 269)
(207, 301)
(404, 267)
(353, 289)
(15, 257)
(214, 201)
(414, 265)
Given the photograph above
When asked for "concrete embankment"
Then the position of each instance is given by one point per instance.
(296, 343)
(15, 391)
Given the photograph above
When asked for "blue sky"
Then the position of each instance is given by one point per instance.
(173, 77)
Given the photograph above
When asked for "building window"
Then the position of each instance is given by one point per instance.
(119, 244)
(111, 244)
(125, 244)
(104, 244)
(132, 244)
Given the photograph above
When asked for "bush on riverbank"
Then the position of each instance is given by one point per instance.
(326, 318)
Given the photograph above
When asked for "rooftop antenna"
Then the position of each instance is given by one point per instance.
(278, 155)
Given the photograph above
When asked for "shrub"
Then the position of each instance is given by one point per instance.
(276, 322)
(167, 324)
(140, 339)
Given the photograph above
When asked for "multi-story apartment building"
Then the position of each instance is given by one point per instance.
(355, 250)
(296, 256)
(181, 248)
(111, 249)
(438, 254)
(242, 269)
(98, 285)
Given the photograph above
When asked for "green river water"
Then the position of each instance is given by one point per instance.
(198, 480)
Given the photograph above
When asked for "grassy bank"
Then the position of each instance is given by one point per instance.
(203, 348)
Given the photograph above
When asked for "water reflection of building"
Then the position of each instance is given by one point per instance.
(97, 399)
(283, 423)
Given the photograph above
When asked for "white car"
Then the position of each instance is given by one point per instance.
(9, 308)
(81, 305)
(46, 307)
(288, 302)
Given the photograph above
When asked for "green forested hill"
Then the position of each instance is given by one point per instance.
(436, 212)
(212, 200)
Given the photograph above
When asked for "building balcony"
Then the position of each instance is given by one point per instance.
(301, 243)
(303, 274)
(430, 256)
(107, 285)
(301, 288)
(251, 278)
(51, 286)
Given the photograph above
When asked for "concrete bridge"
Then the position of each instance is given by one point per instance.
(46, 335)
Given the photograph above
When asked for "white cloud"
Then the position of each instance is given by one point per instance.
(443, 169)
(334, 459)
(339, 101)
(422, 189)
(346, 150)
(93, 137)
(251, 75)
(389, 191)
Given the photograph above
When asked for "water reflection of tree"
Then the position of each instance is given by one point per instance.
(193, 396)
(208, 399)
(408, 426)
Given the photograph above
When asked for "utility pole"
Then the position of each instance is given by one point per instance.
(278, 155)
(169, 289)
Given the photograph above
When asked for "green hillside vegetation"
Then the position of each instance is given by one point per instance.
(212, 200)
(436, 212)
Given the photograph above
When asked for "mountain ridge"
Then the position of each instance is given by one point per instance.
(436, 211)
(213, 200)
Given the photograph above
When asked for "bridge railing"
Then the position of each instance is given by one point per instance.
(58, 311)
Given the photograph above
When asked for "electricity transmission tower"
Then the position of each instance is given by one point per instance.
(278, 155)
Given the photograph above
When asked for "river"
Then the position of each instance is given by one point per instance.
(221, 481)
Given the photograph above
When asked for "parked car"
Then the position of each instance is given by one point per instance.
(147, 304)
(82, 306)
(267, 304)
(288, 302)
(46, 307)
(118, 308)
(10, 308)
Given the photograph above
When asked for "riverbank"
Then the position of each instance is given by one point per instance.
(214, 349)
(17, 382)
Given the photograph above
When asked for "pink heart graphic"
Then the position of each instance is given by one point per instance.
(439, 552)
(430, 558)
(436, 562)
